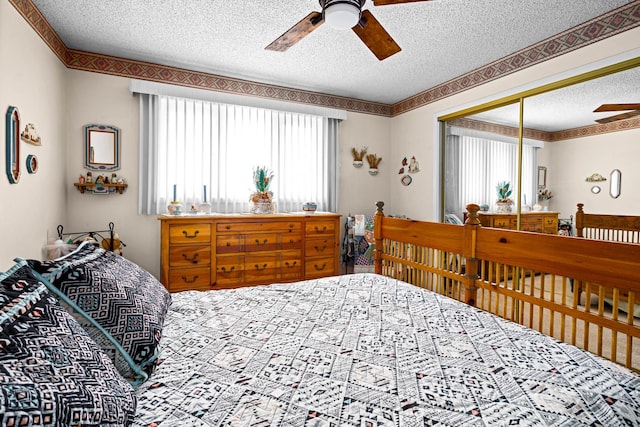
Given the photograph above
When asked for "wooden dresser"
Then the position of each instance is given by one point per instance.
(538, 222)
(202, 252)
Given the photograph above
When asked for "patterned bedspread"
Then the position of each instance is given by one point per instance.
(366, 350)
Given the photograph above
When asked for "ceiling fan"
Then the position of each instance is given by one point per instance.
(632, 111)
(344, 14)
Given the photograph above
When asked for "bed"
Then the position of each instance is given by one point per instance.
(612, 228)
(425, 340)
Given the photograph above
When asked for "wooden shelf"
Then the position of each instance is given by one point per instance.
(108, 188)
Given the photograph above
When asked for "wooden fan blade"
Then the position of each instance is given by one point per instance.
(386, 2)
(622, 116)
(375, 36)
(616, 107)
(297, 32)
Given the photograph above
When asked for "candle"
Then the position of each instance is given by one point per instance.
(205, 194)
(174, 193)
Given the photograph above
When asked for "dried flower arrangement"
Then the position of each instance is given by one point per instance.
(373, 160)
(358, 155)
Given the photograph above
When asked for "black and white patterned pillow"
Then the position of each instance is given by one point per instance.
(51, 372)
(121, 305)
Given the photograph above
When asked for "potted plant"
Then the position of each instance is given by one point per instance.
(504, 202)
(262, 198)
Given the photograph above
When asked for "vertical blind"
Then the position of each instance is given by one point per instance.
(193, 143)
(475, 166)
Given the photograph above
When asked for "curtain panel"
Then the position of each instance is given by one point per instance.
(190, 144)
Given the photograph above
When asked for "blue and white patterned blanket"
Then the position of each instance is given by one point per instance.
(360, 350)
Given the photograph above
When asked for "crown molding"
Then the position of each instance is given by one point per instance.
(541, 135)
(617, 21)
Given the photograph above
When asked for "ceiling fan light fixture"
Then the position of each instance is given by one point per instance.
(342, 14)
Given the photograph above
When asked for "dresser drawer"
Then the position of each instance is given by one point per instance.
(229, 243)
(184, 256)
(501, 223)
(291, 265)
(319, 267)
(260, 268)
(189, 233)
(319, 247)
(291, 240)
(198, 278)
(317, 228)
(249, 227)
(261, 242)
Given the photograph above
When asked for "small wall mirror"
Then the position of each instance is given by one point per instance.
(101, 147)
(615, 184)
(542, 177)
(13, 144)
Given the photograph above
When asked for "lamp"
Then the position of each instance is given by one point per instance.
(342, 14)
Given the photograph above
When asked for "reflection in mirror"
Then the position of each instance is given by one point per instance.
(478, 157)
(102, 147)
(615, 184)
(542, 177)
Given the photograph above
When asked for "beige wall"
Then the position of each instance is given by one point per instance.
(101, 99)
(60, 102)
(570, 162)
(34, 81)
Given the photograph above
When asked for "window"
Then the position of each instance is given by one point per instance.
(476, 165)
(194, 143)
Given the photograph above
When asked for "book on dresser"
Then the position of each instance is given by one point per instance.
(221, 251)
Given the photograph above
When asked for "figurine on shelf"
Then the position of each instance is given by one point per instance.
(89, 177)
(99, 182)
(81, 179)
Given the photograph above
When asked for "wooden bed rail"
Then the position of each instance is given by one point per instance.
(525, 277)
(615, 228)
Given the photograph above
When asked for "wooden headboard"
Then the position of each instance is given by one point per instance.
(614, 228)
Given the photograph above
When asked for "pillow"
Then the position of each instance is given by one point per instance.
(121, 305)
(51, 372)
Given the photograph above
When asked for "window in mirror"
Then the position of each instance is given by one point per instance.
(101, 147)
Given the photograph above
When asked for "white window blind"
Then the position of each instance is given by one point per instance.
(475, 166)
(191, 143)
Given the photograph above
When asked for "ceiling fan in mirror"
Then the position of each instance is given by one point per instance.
(345, 14)
(632, 110)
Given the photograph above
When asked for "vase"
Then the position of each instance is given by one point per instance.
(263, 206)
(503, 207)
(174, 208)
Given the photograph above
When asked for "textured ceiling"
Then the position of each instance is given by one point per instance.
(440, 39)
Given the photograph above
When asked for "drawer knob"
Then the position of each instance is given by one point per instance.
(290, 265)
(264, 266)
(319, 230)
(190, 236)
(320, 268)
(264, 242)
(193, 259)
(228, 227)
(320, 249)
(224, 269)
(228, 243)
(185, 280)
